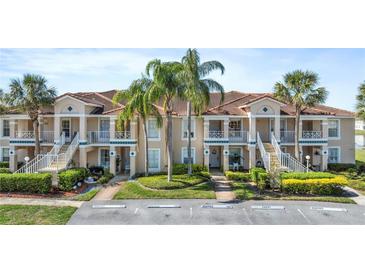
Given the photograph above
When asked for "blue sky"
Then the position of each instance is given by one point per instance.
(249, 70)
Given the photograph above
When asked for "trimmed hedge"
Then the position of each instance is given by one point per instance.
(27, 183)
(325, 186)
(238, 176)
(105, 178)
(4, 170)
(4, 164)
(179, 169)
(306, 175)
(340, 167)
(255, 173)
(68, 178)
(262, 180)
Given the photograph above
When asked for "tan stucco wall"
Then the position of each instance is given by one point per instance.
(62, 105)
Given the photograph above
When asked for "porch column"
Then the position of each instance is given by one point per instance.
(252, 156)
(83, 156)
(13, 159)
(225, 158)
(132, 161)
(277, 128)
(325, 147)
(57, 129)
(41, 127)
(113, 157)
(12, 124)
(133, 129)
(206, 156)
(252, 130)
(225, 128)
(206, 129)
(83, 130)
(112, 128)
(300, 129)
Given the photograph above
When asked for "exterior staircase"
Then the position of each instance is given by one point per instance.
(274, 161)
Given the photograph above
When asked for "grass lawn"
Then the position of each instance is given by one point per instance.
(86, 196)
(360, 155)
(243, 191)
(157, 187)
(35, 215)
(359, 132)
(359, 185)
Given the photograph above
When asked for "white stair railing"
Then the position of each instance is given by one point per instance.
(63, 159)
(285, 159)
(264, 154)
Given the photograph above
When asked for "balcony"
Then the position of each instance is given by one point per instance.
(216, 134)
(29, 136)
(103, 137)
(289, 136)
(238, 136)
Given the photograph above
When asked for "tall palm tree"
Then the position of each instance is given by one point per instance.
(197, 88)
(299, 88)
(360, 105)
(30, 95)
(136, 103)
(165, 88)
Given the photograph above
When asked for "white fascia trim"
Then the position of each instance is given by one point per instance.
(262, 99)
(221, 117)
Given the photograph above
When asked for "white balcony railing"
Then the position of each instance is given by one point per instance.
(29, 134)
(47, 137)
(238, 136)
(122, 135)
(216, 134)
(289, 136)
(316, 134)
(98, 137)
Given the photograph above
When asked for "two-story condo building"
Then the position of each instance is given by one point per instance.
(243, 131)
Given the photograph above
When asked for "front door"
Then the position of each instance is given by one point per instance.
(215, 157)
(66, 128)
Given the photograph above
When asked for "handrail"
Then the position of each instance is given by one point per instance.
(264, 154)
(216, 134)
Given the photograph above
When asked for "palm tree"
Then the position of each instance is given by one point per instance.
(136, 103)
(30, 95)
(360, 105)
(197, 88)
(2, 104)
(165, 88)
(299, 88)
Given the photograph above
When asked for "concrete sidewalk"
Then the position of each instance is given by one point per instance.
(42, 202)
(108, 191)
(356, 196)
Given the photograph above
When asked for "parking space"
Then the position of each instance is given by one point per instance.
(205, 212)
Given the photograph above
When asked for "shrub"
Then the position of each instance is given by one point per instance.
(306, 175)
(325, 186)
(238, 176)
(28, 183)
(204, 174)
(340, 167)
(4, 164)
(4, 170)
(179, 169)
(105, 178)
(255, 172)
(68, 178)
(262, 180)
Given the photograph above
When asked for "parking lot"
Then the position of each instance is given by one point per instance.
(209, 212)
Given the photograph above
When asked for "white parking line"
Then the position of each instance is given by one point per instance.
(319, 208)
(217, 206)
(135, 212)
(109, 206)
(164, 206)
(305, 217)
(191, 212)
(248, 217)
(268, 207)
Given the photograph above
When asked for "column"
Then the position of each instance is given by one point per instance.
(83, 156)
(225, 158)
(324, 126)
(206, 129)
(13, 159)
(83, 129)
(132, 161)
(252, 130)
(12, 124)
(113, 157)
(57, 129)
(252, 155)
(301, 153)
(40, 127)
(133, 129)
(277, 128)
(226, 128)
(112, 128)
(206, 156)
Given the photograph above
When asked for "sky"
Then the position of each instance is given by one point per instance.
(248, 70)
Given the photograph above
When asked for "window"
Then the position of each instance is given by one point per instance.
(104, 125)
(334, 128)
(184, 155)
(283, 124)
(154, 159)
(4, 155)
(235, 125)
(6, 128)
(185, 128)
(153, 131)
(235, 156)
(333, 155)
(104, 158)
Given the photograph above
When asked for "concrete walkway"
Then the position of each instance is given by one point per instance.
(108, 191)
(223, 189)
(356, 196)
(42, 202)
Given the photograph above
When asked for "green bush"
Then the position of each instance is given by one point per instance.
(105, 178)
(255, 173)
(68, 178)
(325, 186)
(340, 167)
(306, 175)
(238, 176)
(179, 169)
(4, 170)
(178, 181)
(4, 164)
(262, 180)
(28, 183)
(204, 174)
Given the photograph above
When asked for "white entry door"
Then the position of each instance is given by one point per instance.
(66, 128)
(215, 157)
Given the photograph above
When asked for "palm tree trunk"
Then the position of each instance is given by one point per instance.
(145, 147)
(36, 137)
(169, 146)
(297, 121)
(190, 171)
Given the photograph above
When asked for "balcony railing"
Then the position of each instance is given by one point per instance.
(45, 136)
(98, 137)
(122, 135)
(216, 134)
(238, 136)
(24, 134)
(317, 134)
(289, 136)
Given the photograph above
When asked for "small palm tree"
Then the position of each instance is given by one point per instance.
(299, 88)
(197, 88)
(30, 95)
(136, 103)
(165, 88)
(360, 105)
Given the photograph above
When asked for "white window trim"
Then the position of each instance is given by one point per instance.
(241, 152)
(1, 153)
(159, 160)
(99, 155)
(285, 123)
(158, 130)
(99, 123)
(2, 129)
(339, 130)
(193, 154)
(193, 128)
(339, 154)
